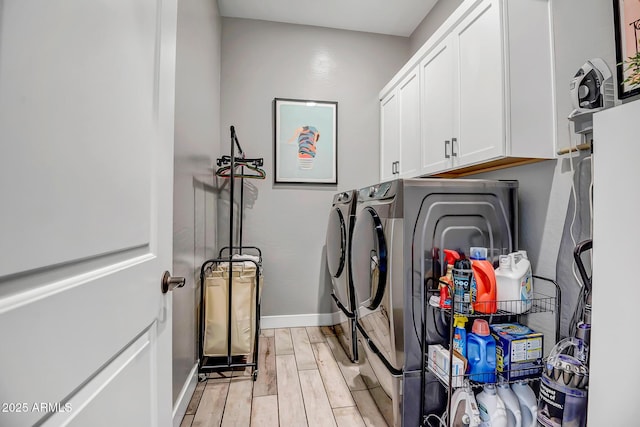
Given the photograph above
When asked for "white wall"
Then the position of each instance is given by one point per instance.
(197, 126)
(262, 61)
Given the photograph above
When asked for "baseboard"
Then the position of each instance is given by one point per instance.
(298, 320)
(180, 406)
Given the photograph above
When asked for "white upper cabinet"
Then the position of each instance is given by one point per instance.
(486, 90)
(479, 98)
(437, 114)
(409, 98)
(389, 136)
(400, 130)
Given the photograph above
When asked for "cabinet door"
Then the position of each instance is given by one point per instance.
(409, 103)
(437, 108)
(389, 136)
(480, 94)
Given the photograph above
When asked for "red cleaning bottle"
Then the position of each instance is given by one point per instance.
(450, 258)
(484, 278)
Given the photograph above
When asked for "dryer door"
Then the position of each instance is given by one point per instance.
(369, 259)
(336, 242)
(337, 253)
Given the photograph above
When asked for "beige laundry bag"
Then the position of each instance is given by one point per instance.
(243, 309)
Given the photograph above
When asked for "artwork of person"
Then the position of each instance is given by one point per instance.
(307, 137)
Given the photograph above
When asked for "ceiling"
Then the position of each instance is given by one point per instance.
(394, 17)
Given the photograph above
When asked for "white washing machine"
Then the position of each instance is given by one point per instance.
(338, 243)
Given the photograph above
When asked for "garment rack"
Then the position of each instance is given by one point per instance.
(227, 166)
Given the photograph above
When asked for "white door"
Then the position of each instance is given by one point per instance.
(409, 103)
(389, 136)
(86, 160)
(437, 108)
(480, 99)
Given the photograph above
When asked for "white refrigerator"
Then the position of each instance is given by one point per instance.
(615, 337)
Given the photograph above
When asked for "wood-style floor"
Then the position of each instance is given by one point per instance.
(304, 379)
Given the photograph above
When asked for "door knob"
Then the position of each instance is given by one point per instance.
(169, 282)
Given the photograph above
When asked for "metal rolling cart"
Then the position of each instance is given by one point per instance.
(232, 264)
(541, 303)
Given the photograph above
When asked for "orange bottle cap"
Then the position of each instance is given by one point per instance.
(480, 327)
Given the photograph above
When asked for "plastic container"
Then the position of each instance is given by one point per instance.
(481, 353)
(528, 403)
(511, 404)
(460, 334)
(462, 275)
(492, 410)
(446, 281)
(445, 298)
(514, 283)
(483, 287)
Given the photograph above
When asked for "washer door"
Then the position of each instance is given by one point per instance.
(337, 251)
(369, 259)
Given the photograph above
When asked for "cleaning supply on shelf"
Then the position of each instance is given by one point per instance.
(492, 409)
(528, 406)
(445, 298)
(519, 351)
(514, 283)
(481, 353)
(462, 275)
(483, 284)
(464, 409)
(563, 388)
(460, 334)
(511, 404)
(438, 359)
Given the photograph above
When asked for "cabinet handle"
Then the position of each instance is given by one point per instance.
(453, 142)
(446, 155)
(398, 167)
(393, 168)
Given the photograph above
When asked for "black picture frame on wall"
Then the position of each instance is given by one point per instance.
(627, 34)
(305, 141)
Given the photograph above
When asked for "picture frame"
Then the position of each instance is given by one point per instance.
(305, 141)
(626, 16)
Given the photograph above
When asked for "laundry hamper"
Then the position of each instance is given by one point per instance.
(243, 309)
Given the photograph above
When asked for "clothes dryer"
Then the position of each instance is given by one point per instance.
(338, 244)
(400, 232)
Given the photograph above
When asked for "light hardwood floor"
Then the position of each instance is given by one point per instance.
(304, 379)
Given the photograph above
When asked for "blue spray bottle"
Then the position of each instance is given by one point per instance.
(460, 334)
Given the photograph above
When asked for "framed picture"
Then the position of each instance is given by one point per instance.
(305, 141)
(627, 22)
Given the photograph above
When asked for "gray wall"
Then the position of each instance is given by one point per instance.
(262, 61)
(197, 127)
(545, 196)
(547, 187)
(436, 16)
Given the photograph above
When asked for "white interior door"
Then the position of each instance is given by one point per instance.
(86, 160)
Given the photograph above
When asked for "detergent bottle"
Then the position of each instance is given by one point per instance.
(484, 282)
(462, 275)
(492, 410)
(460, 334)
(511, 404)
(481, 353)
(528, 403)
(445, 299)
(514, 283)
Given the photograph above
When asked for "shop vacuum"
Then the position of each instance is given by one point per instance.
(565, 377)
